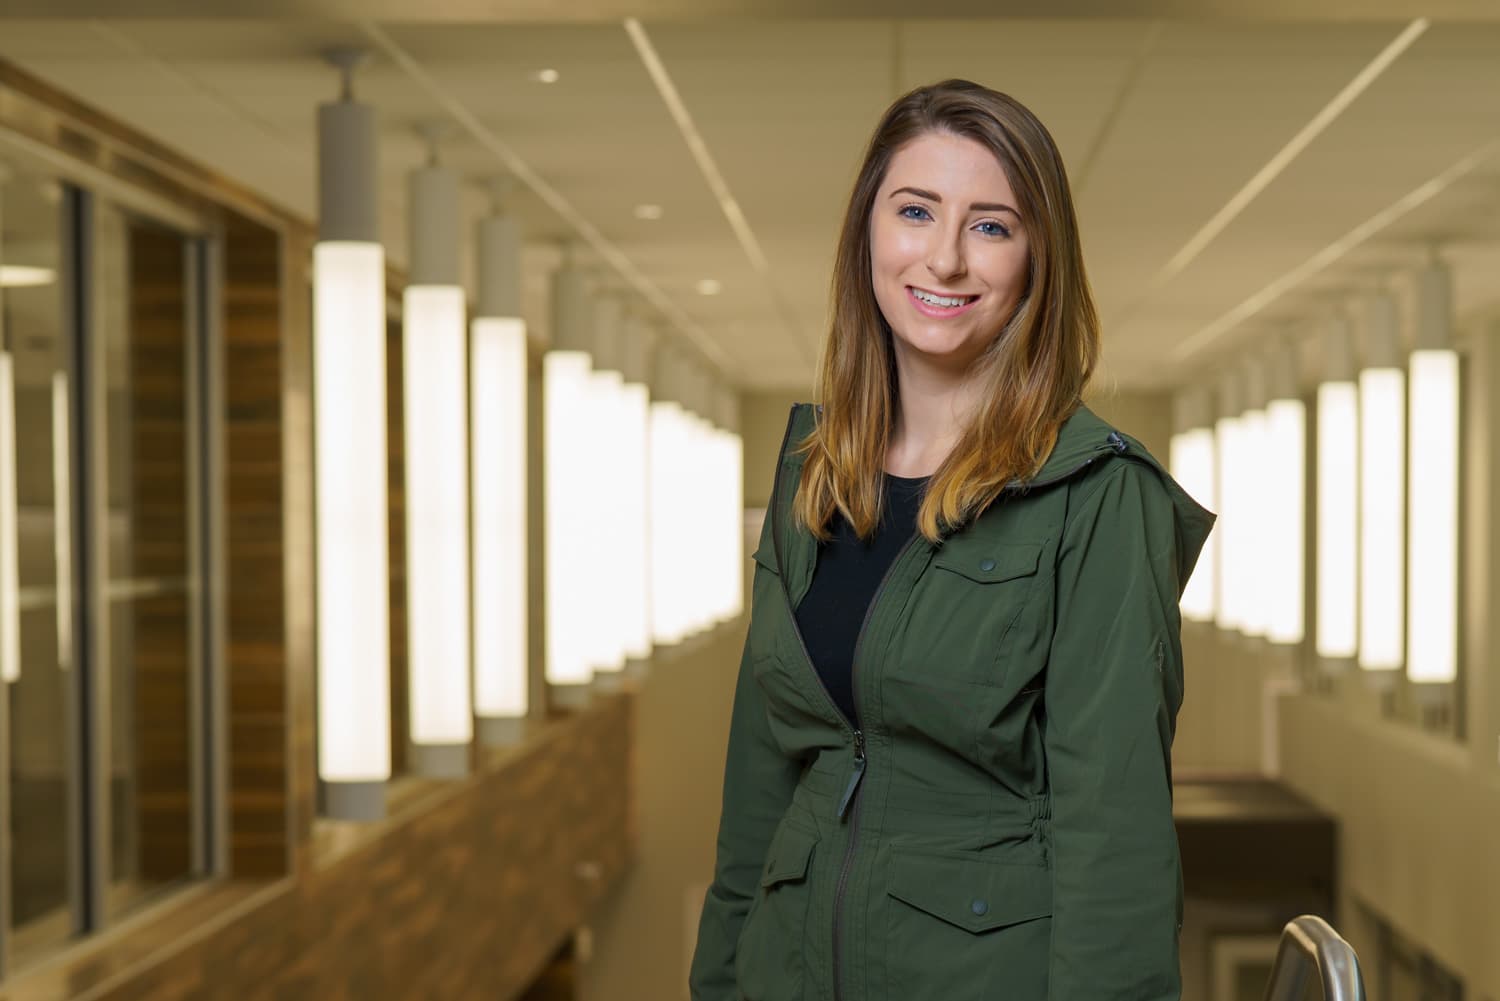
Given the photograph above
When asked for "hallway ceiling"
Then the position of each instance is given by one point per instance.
(1167, 127)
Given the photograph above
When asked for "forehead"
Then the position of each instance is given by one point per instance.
(947, 164)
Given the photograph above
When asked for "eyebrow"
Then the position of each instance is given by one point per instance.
(933, 196)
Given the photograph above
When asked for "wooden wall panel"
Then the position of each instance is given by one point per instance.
(256, 673)
(469, 893)
(395, 445)
(149, 474)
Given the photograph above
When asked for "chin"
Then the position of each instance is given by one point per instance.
(940, 347)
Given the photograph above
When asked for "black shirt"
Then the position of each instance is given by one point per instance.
(847, 575)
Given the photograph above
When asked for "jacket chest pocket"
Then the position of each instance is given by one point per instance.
(966, 607)
(770, 958)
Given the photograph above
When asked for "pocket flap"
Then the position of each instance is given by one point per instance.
(993, 563)
(787, 858)
(973, 894)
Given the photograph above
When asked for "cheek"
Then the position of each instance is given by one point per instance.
(893, 249)
(1006, 269)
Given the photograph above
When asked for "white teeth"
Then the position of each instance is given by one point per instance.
(939, 300)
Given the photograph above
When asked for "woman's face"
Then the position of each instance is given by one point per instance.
(948, 249)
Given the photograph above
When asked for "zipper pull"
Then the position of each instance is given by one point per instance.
(859, 773)
(1116, 442)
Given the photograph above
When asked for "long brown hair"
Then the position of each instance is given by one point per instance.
(1031, 376)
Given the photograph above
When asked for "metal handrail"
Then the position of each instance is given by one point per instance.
(1309, 944)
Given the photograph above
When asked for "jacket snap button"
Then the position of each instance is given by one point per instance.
(979, 907)
(986, 565)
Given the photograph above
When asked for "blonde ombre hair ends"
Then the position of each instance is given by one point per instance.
(1033, 373)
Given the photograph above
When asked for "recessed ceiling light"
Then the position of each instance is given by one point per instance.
(646, 210)
(709, 286)
(21, 276)
(547, 76)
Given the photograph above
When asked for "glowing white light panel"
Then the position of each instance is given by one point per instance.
(353, 576)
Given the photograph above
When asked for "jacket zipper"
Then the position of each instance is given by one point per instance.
(857, 776)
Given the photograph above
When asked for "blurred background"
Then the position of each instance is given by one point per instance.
(389, 397)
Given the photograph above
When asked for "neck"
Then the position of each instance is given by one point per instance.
(934, 406)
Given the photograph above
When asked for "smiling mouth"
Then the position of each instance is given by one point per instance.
(931, 302)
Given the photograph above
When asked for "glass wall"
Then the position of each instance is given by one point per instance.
(43, 770)
(106, 793)
(141, 285)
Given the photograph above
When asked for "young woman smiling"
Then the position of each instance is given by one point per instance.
(949, 764)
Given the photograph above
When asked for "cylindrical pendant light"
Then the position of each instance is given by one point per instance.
(1337, 606)
(349, 420)
(606, 632)
(1227, 438)
(10, 536)
(700, 488)
(1251, 467)
(569, 493)
(667, 526)
(10, 577)
(635, 488)
(498, 422)
(1192, 461)
(1285, 499)
(734, 501)
(435, 360)
(1382, 495)
(1432, 640)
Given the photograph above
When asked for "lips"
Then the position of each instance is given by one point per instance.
(934, 310)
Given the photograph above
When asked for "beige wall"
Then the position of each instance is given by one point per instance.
(763, 418)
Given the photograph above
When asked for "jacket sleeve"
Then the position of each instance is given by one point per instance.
(1113, 687)
(758, 786)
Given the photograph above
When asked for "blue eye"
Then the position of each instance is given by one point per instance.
(996, 230)
(913, 208)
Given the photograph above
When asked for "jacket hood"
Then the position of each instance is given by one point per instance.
(1085, 439)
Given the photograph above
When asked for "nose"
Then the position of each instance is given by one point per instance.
(945, 256)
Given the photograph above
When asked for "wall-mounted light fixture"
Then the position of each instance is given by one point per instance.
(1285, 497)
(669, 464)
(734, 502)
(349, 419)
(634, 495)
(1382, 493)
(435, 386)
(1192, 462)
(498, 423)
(570, 489)
(1432, 640)
(608, 460)
(10, 577)
(1252, 487)
(1230, 614)
(1337, 590)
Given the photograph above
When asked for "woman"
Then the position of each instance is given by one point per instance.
(949, 770)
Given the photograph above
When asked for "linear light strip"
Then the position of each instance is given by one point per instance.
(10, 578)
(1338, 520)
(1284, 156)
(62, 507)
(1432, 639)
(550, 195)
(1382, 518)
(728, 204)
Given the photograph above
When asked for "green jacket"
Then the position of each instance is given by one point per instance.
(1001, 830)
